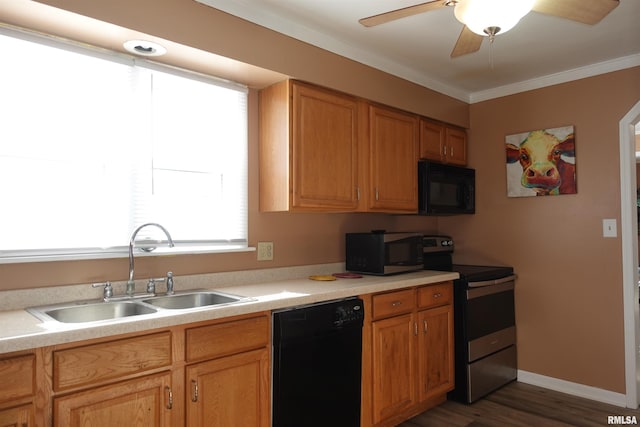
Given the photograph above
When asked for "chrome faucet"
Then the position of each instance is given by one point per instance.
(130, 283)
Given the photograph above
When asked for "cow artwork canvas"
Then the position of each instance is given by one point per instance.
(541, 163)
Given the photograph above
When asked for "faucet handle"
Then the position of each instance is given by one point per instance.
(107, 292)
(151, 285)
(170, 283)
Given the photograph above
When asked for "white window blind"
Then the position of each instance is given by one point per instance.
(92, 146)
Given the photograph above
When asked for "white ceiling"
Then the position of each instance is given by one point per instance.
(541, 50)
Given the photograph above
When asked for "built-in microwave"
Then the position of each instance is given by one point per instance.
(383, 253)
(445, 189)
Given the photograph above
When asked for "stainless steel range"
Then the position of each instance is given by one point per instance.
(484, 322)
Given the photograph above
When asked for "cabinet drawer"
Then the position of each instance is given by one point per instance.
(435, 295)
(221, 339)
(100, 362)
(17, 377)
(393, 303)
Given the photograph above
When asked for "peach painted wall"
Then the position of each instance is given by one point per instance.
(569, 288)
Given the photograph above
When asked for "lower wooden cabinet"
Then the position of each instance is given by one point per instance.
(142, 402)
(17, 390)
(231, 391)
(393, 366)
(410, 365)
(211, 373)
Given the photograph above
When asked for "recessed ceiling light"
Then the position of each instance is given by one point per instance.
(144, 48)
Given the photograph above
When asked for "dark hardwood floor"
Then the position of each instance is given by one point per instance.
(519, 404)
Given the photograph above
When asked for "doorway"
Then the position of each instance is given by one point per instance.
(629, 223)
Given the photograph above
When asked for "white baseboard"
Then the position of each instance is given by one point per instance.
(575, 389)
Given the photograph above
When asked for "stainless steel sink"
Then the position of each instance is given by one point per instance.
(94, 311)
(83, 313)
(194, 299)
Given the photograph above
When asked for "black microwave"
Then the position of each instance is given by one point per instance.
(382, 253)
(445, 189)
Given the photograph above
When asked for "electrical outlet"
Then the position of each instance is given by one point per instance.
(265, 251)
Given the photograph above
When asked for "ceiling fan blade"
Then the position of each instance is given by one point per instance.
(383, 18)
(586, 11)
(468, 42)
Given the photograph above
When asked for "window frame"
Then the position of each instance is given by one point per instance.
(121, 251)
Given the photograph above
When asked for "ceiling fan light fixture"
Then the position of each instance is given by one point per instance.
(488, 17)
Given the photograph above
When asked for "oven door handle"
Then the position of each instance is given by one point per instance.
(493, 282)
(490, 287)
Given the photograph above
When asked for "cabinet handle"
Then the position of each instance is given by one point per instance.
(377, 198)
(415, 328)
(194, 390)
(437, 295)
(169, 395)
(358, 193)
(451, 152)
(444, 150)
(424, 325)
(396, 304)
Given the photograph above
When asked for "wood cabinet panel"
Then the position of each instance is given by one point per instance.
(435, 295)
(432, 140)
(144, 402)
(325, 149)
(17, 376)
(230, 391)
(393, 303)
(435, 348)
(94, 363)
(393, 153)
(221, 339)
(393, 365)
(22, 416)
(309, 140)
(456, 143)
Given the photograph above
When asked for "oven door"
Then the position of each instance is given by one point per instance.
(490, 308)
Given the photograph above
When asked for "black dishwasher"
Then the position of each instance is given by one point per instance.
(317, 362)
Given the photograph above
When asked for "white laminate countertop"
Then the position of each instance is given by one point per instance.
(21, 330)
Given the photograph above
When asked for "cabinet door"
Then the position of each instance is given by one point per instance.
(231, 391)
(146, 401)
(17, 417)
(456, 146)
(393, 366)
(435, 351)
(393, 148)
(324, 149)
(432, 140)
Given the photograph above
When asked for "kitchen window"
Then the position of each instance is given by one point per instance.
(95, 143)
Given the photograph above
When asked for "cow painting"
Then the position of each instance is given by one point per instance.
(541, 163)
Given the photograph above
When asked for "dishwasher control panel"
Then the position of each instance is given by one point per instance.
(349, 311)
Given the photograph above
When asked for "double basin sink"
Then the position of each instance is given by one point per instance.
(84, 312)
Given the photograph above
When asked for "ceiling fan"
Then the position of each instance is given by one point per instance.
(486, 18)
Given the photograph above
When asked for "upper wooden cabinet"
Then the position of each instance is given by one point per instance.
(308, 149)
(442, 143)
(322, 150)
(393, 157)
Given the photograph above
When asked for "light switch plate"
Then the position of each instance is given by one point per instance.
(609, 228)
